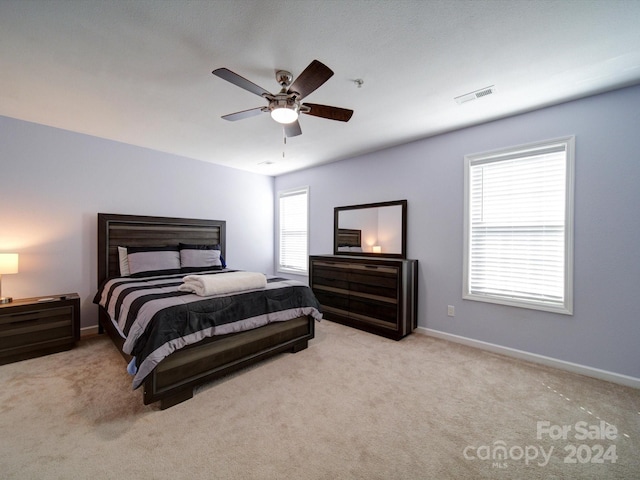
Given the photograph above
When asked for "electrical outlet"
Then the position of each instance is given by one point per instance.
(451, 310)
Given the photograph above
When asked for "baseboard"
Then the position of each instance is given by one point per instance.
(86, 331)
(535, 358)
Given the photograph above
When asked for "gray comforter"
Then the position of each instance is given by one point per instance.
(155, 318)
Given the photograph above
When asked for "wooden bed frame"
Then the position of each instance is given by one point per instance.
(173, 379)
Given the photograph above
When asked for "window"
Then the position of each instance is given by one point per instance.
(293, 225)
(519, 226)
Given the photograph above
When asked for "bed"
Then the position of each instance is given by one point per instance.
(223, 348)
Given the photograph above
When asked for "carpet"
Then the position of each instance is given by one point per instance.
(351, 406)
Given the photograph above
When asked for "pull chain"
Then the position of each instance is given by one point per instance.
(284, 141)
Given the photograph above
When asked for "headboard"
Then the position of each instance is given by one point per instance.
(348, 237)
(142, 231)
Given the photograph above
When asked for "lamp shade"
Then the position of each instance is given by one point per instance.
(8, 263)
(377, 249)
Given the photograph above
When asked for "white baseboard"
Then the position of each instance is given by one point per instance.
(535, 358)
(89, 331)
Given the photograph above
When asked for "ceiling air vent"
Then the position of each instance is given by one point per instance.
(483, 92)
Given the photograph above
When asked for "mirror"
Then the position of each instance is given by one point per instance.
(374, 229)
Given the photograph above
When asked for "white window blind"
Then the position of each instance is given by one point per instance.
(519, 226)
(293, 230)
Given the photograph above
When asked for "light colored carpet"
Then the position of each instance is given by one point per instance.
(351, 406)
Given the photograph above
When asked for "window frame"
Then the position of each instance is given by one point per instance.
(280, 267)
(527, 150)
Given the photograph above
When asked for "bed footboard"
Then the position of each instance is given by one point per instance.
(174, 379)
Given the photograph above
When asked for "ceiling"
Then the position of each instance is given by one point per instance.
(139, 72)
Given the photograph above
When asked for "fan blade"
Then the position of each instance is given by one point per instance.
(292, 129)
(241, 82)
(252, 112)
(332, 113)
(311, 78)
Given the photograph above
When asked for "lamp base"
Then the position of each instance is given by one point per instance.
(5, 300)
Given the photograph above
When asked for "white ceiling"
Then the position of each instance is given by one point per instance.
(139, 71)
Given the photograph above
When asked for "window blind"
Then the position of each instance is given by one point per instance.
(517, 227)
(293, 226)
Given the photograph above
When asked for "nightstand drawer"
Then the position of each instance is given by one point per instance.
(35, 327)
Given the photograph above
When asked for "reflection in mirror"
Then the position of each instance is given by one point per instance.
(349, 240)
(371, 229)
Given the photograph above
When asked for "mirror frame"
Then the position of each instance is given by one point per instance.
(336, 214)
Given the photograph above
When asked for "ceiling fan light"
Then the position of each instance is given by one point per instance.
(284, 115)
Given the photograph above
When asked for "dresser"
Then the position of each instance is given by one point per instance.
(32, 327)
(378, 295)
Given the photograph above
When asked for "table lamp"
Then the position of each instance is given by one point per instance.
(8, 264)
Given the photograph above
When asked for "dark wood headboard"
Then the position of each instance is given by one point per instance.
(142, 231)
(349, 237)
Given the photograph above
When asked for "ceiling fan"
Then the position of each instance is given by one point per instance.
(285, 106)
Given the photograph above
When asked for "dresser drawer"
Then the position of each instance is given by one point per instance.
(374, 309)
(356, 278)
(326, 296)
(382, 282)
(331, 276)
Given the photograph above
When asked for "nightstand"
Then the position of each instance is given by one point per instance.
(32, 327)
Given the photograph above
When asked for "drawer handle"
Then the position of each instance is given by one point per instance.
(374, 267)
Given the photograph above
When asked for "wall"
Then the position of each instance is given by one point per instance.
(54, 182)
(364, 220)
(604, 331)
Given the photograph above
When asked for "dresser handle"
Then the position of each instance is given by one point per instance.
(375, 267)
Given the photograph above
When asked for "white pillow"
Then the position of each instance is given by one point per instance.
(124, 261)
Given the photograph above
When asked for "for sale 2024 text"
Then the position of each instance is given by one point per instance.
(581, 431)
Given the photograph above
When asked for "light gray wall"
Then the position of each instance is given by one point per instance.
(604, 332)
(54, 182)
